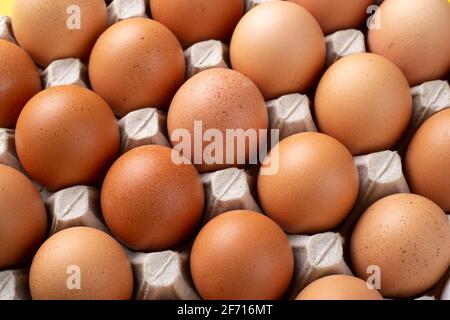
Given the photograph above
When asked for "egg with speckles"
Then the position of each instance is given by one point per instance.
(407, 236)
(66, 136)
(149, 201)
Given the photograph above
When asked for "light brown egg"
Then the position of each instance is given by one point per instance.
(427, 162)
(364, 101)
(339, 287)
(217, 99)
(241, 255)
(335, 15)
(415, 36)
(66, 136)
(149, 202)
(19, 81)
(197, 20)
(136, 63)
(407, 236)
(81, 264)
(280, 47)
(315, 186)
(51, 30)
(23, 219)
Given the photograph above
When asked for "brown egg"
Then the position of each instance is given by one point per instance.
(427, 162)
(280, 47)
(415, 36)
(335, 15)
(136, 63)
(197, 20)
(339, 287)
(408, 237)
(19, 81)
(315, 186)
(81, 264)
(23, 219)
(364, 101)
(219, 99)
(241, 255)
(51, 30)
(66, 136)
(149, 202)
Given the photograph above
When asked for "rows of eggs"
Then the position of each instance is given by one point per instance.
(68, 135)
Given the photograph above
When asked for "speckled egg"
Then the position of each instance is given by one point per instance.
(66, 136)
(314, 186)
(414, 35)
(407, 237)
(427, 161)
(136, 63)
(81, 264)
(23, 219)
(241, 255)
(149, 201)
(197, 20)
(19, 81)
(280, 47)
(339, 287)
(209, 104)
(364, 101)
(56, 29)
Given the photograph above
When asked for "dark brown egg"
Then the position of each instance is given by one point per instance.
(149, 202)
(241, 255)
(23, 219)
(314, 185)
(19, 81)
(81, 264)
(66, 136)
(197, 20)
(136, 63)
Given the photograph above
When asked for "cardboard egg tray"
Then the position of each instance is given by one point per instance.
(165, 275)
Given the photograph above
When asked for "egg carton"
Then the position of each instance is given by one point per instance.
(74, 207)
(6, 32)
(14, 285)
(250, 4)
(65, 72)
(315, 257)
(206, 55)
(162, 275)
(343, 43)
(143, 127)
(119, 10)
(291, 114)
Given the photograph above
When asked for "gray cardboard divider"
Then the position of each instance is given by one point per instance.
(65, 72)
(206, 55)
(14, 285)
(6, 32)
(119, 10)
(343, 43)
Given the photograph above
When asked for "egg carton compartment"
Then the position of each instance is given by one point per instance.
(143, 127)
(65, 72)
(250, 4)
(343, 43)
(6, 32)
(162, 275)
(14, 285)
(206, 55)
(119, 10)
(74, 207)
(316, 256)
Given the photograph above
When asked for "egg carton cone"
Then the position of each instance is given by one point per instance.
(250, 4)
(143, 127)
(119, 10)
(428, 99)
(74, 207)
(343, 43)
(162, 276)
(315, 257)
(68, 71)
(226, 190)
(380, 175)
(206, 55)
(6, 32)
(14, 285)
(291, 114)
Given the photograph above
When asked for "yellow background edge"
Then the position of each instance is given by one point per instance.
(6, 7)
